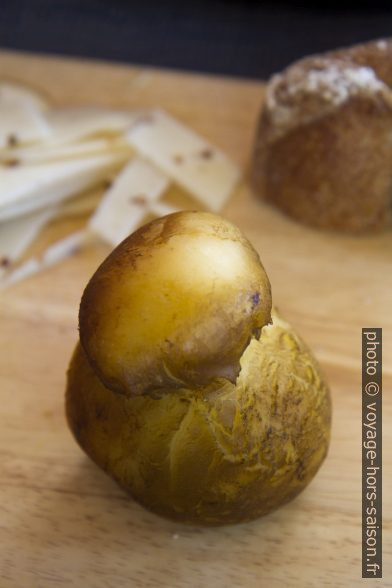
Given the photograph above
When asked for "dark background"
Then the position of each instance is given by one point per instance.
(250, 39)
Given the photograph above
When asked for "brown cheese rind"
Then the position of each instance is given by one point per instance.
(220, 454)
(323, 152)
(187, 387)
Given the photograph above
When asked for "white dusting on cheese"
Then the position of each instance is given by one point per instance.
(303, 94)
(382, 45)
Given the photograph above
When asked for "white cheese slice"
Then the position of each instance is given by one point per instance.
(18, 234)
(45, 152)
(13, 92)
(75, 124)
(187, 158)
(21, 124)
(127, 201)
(27, 188)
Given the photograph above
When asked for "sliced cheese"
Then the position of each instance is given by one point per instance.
(21, 124)
(74, 124)
(45, 152)
(13, 92)
(126, 202)
(186, 157)
(18, 234)
(27, 188)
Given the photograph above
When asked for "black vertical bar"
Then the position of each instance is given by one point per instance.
(371, 453)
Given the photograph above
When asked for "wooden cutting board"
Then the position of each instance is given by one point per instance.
(62, 521)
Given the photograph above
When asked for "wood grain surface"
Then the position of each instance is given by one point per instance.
(62, 521)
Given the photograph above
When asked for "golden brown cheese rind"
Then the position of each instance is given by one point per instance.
(174, 305)
(223, 453)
